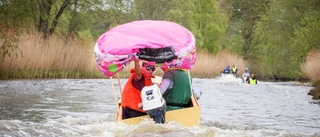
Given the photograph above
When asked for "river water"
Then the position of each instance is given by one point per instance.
(86, 108)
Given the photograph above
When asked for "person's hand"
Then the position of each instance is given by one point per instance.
(140, 106)
(156, 83)
(135, 58)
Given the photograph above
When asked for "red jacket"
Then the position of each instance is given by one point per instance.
(131, 96)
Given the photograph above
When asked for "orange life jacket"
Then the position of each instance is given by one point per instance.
(131, 96)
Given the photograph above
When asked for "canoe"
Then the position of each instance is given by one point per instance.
(189, 116)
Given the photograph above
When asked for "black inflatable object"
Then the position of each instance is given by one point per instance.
(159, 55)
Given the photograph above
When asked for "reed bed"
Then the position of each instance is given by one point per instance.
(208, 65)
(311, 67)
(56, 58)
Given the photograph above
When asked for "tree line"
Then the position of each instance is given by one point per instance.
(274, 36)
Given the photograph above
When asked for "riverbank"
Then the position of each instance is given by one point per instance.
(315, 92)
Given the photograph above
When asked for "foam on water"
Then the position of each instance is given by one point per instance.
(100, 126)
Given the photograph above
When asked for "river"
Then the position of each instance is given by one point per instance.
(86, 108)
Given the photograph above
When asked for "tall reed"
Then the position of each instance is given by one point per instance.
(39, 58)
(311, 66)
(208, 65)
(56, 58)
(311, 69)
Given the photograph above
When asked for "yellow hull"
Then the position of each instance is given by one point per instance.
(188, 116)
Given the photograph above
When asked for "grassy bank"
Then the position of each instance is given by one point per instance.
(56, 58)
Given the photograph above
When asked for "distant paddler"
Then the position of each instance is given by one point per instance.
(245, 75)
(252, 79)
(234, 70)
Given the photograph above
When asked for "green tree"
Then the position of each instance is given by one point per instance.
(306, 36)
(243, 15)
(284, 36)
(13, 14)
(48, 19)
(178, 11)
(210, 24)
(203, 18)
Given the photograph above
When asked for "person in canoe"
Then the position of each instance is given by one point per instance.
(234, 70)
(131, 99)
(227, 70)
(245, 75)
(252, 79)
(176, 89)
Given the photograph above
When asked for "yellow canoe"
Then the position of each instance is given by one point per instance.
(187, 116)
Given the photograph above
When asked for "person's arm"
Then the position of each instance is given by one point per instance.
(196, 92)
(137, 69)
(164, 85)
